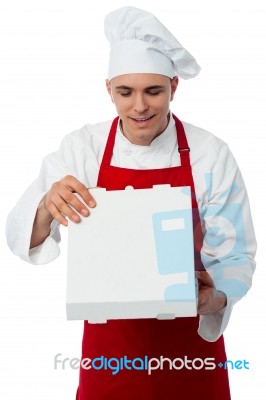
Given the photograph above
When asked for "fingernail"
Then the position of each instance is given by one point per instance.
(84, 212)
(75, 218)
(91, 203)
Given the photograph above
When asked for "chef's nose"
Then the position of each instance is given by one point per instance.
(140, 105)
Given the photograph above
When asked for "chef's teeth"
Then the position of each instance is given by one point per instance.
(142, 119)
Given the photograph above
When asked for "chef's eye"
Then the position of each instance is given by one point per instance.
(125, 94)
(154, 93)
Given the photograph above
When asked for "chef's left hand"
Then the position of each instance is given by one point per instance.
(210, 300)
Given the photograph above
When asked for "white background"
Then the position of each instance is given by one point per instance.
(53, 65)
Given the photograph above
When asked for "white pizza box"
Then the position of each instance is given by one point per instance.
(133, 256)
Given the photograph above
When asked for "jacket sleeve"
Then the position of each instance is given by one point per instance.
(68, 160)
(78, 155)
(20, 219)
(229, 245)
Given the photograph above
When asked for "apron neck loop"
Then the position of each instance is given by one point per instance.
(181, 141)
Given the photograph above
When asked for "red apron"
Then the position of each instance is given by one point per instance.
(140, 338)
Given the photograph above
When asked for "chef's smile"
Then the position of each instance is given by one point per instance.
(143, 121)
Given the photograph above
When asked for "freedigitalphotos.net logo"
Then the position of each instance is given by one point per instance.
(146, 364)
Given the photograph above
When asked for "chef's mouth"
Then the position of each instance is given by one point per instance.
(142, 119)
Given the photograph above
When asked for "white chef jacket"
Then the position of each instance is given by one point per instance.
(218, 185)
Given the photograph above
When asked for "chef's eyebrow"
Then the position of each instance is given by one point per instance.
(123, 87)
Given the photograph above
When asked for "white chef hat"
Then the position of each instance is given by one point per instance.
(140, 43)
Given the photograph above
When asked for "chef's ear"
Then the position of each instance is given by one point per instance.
(108, 87)
(174, 84)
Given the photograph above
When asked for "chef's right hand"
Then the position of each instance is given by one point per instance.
(61, 202)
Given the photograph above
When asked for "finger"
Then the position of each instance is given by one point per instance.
(205, 300)
(75, 203)
(205, 278)
(209, 302)
(75, 185)
(57, 205)
(201, 305)
(87, 197)
(56, 214)
(60, 195)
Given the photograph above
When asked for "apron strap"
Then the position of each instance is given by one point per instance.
(181, 141)
(108, 152)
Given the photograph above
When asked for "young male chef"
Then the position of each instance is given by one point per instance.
(147, 145)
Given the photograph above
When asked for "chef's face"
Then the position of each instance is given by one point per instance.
(142, 103)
